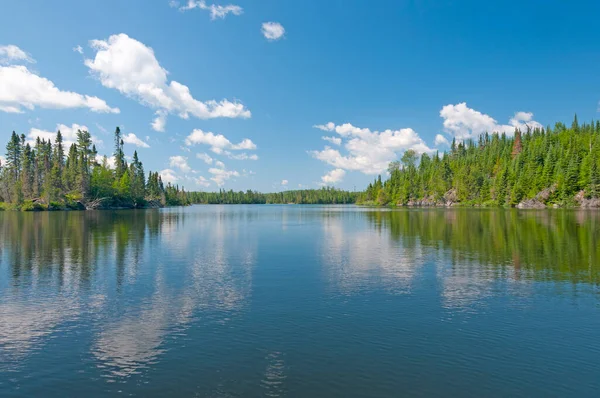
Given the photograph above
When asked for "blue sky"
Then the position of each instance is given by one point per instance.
(375, 77)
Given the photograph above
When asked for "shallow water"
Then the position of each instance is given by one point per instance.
(300, 301)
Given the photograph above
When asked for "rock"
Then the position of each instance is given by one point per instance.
(450, 198)
(586, 203)
(531, 204)
(539, 201)
(153, 204)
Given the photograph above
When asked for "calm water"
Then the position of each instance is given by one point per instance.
(248, 301)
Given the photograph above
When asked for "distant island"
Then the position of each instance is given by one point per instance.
(557, 167)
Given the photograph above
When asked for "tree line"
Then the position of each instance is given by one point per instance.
(39, 175)
(557, 166)
(325, 195)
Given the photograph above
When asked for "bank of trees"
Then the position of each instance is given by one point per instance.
(305, 196)
(559, 165)
(45, 174)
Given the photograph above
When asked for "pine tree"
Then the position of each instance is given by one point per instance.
(27, 171)
(13, 157)
(120, 165)
(84, 141)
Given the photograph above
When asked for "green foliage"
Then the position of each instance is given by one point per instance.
(29, 205)
(324, 195)
(35, 176)
(499, 170)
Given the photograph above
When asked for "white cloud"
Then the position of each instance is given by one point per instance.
(134, 140)
(333, 176)
(20, 88)
(369, 152)
(463, 122)
(69, 134)
(216, 11)
(180, 162)
(202, 181)
(78, 49)
(205, 158)
(240, 156)
(12, 53)
(160, 121)
(334, 140)
(284, 182)
(441, 140)
(325, 127)
(272, 30)
(168, 176)
(219, 164)
(131, 67)
(220, 175)
(218, 142)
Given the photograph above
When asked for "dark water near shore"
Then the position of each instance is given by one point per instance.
(300, 301)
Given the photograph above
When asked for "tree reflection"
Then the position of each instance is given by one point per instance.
(140, 276)
(548, 245)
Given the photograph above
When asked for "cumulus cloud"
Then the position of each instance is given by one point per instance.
(203, 182)
(12, 53)
(69, 134)
(334, 140)
(134, 140)
(168, 176)
(221, 175)
(333, 176)
(325, 127)
(368, 151)
(272, 30)
(180, 162)
(240, 156)
(22, 89)
(129, 66)
(205, 158)
(78, 49)
(219, 143)
(463, 122)
(160, 121)
(284, 182)
(216, 11)
(441, 140)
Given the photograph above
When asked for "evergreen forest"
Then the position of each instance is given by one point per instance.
(45, 175)
(541, 167)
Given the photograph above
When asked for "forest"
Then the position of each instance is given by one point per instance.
(44, 175)
(326, 195)
(41, 176)
(558, 167)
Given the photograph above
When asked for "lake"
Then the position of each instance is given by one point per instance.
(300, 301)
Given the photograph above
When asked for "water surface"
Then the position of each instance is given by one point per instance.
(300, 301)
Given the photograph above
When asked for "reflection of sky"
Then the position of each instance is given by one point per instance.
(273, 382)
(25, 324)
(202, 264)
(362, 257)
(201, 249)
(466, 282)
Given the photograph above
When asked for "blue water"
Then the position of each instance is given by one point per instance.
(300, 301)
